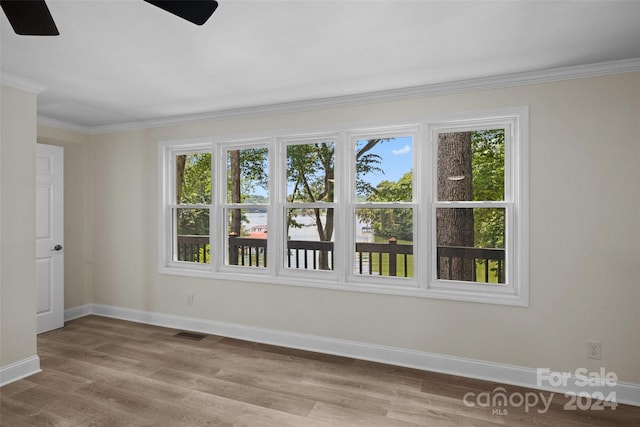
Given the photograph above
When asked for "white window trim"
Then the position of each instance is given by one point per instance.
(516, 289)
(222, 205)
(167, 152)
(321, 276)
(343, 277)
(414, 131)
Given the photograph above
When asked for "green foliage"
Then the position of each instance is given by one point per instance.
(310, 172)
(394, 191)
(310, 175)
(488, 184)
(196, 185)
(196, 189)
(253, 172)
(310, 178)
(367, 162)
(488, 164)
(397, 222)
(193, 222)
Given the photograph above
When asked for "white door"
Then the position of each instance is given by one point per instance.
(49, 237)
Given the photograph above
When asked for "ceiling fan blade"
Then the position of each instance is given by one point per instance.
(29, 17)
(196, 11)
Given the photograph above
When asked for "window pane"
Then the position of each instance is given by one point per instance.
(247, 237)
(309, 239)
(193, 178)
(471, 165)
(310, 172)
(247, 176)
(384, 169)
(192, 235)
(470, 244)
(384, 242)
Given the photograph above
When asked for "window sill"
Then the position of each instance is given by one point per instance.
(360, 284)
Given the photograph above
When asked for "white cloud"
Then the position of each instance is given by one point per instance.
(403, 150)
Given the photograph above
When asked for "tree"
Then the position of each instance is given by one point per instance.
(367, 162)
(488, 184)
(310, 168)
(234, 191)
(180, 164)
(392, 222)
(311, 171)
(193, 172)
(455, 226)
(246, 168)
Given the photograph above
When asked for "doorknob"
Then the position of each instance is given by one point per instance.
(57, 248)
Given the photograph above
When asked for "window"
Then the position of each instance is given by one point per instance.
(435, 209)
(478, 209)
(246, 207)
(187, 206)
(309, 209)
(384, 208)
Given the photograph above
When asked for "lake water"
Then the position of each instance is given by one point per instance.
(307, 232)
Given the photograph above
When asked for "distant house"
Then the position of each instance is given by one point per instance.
(258, 232)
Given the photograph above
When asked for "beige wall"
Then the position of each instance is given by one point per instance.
(17, 225)
(584, 237)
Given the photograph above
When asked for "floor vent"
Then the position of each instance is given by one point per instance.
(190, 336)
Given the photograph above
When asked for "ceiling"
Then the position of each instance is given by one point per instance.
(118, 62)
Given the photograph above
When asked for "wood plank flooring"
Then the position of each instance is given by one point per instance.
(99, 371)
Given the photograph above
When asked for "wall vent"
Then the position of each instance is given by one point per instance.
(190, 336)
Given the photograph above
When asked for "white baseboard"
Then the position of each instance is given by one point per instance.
(79, 311)
(19, 370)
(627, 393)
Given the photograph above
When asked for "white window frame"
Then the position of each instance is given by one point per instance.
(424, 284)
(319, 276)
(515, 291)
(167, 155)
(414, 131)
(223, 205)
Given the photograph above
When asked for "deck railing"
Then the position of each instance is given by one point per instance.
(312, 255)
(193, 248)
(247, 251)
(371, 255)
(388, 259)
(461, 263)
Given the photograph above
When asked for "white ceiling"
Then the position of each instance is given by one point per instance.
(127, 61)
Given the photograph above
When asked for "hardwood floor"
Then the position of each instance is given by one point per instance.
(99, 371)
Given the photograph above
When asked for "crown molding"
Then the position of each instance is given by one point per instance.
(21, 83)
(59, 124)
(485, 83)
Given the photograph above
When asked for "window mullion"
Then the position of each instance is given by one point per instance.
(350, 209)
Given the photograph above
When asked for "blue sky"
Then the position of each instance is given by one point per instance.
(396, 156)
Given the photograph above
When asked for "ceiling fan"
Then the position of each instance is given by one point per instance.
(32, 17)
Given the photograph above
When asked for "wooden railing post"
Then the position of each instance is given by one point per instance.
(233, 248)
(392, 257)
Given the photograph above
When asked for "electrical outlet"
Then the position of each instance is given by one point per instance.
(189, 301)
(594, 350)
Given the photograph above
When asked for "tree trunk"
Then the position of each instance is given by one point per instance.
(326, 234)
(236, 197)
(455, 226)
(180, 164)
